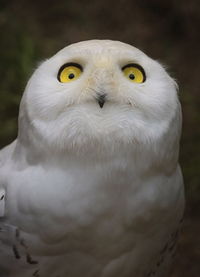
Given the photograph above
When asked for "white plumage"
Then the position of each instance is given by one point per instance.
(91, 186)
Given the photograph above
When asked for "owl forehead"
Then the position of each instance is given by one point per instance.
(102, 52)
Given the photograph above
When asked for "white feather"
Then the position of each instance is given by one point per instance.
(91, 191)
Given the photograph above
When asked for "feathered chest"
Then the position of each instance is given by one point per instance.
(101, 212)
(64, 198)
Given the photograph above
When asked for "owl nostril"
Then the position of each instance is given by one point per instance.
(101, 98)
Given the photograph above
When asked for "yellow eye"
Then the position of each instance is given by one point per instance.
(69, 72)
(134, 72)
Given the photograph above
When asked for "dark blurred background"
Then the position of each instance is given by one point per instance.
(168, 31)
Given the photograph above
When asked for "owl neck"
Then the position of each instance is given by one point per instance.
(142, 159)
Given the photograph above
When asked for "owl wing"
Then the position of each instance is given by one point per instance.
(5, 155)
(5, 229)
(10, 257)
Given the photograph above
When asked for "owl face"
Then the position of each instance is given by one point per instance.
(99, 92)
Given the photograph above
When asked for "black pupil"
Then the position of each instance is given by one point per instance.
(131, 76)
(71, 76)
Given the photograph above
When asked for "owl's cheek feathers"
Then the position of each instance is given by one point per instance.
(90, 129)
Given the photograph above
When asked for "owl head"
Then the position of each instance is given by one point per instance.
(100, 94)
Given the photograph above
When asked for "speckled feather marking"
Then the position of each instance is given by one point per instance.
(22, 242)
(36, 273)
(168, 249)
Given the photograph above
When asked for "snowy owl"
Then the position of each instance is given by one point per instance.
(91, 186)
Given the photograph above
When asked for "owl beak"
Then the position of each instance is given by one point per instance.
(101, 99)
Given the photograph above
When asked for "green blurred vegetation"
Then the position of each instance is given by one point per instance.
(17, 57)
(31, 31)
